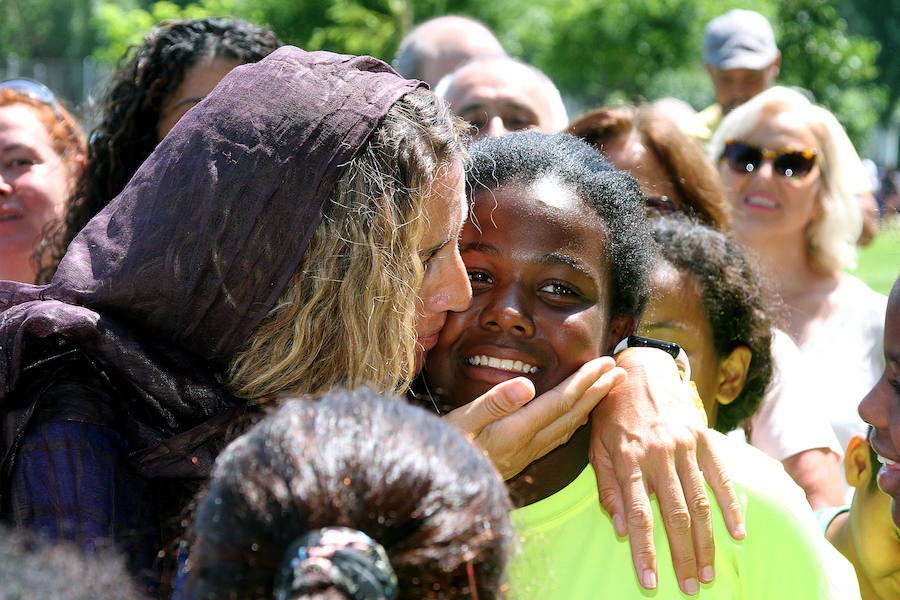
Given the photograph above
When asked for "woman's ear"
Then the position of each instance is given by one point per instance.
(76, 166)
(857, 464)
(733, 374)
(619, 329)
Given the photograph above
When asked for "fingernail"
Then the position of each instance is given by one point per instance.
(691, 586)
(740, 532)
(619, 524)
(707, 574)
(648, 579)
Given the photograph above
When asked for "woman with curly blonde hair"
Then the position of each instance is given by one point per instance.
(295, 231)
(791, 176)
(291, 235)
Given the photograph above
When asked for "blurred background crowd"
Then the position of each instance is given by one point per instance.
(598, 53)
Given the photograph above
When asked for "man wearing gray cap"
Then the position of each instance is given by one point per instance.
(740, 54)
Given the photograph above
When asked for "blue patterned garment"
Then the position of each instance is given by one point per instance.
(69, 482)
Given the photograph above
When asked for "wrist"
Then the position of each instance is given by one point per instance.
(672, 349)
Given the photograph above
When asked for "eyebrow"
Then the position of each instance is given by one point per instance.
(556, 258)
(513, 104)
(16, 146)
(480, 247)
(438, 247)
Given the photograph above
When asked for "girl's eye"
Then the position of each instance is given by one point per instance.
(479, 277)
(558, 289)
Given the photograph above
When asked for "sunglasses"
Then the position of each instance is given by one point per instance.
(745, 158)
(34, 90)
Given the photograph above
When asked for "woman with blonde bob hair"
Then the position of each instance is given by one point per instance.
(295, 231)
(792, 176)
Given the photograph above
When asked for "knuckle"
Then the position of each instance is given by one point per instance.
(645, 554)
(678, 519)
(608, 496)
(725, 482)
(700, 508)
(563, 403)
(495, 407)
(639, 515)
(734, 507)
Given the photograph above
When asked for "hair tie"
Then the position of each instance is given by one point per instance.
(339, 557)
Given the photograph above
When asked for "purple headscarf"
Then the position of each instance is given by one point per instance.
(163, 287)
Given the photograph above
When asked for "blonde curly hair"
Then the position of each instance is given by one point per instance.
(347, 316)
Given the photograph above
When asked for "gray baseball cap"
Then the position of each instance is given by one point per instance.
(739, 39)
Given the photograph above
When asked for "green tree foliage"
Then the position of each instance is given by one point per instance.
(123, 24)
(46, 28)
(820, 55)
(880, 21)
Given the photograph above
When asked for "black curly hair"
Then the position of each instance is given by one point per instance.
(128, 113)
(614, 195)
(733, 302)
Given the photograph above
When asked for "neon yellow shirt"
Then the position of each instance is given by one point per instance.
(569, 550)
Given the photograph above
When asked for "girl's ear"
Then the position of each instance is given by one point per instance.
(619, 329)
(857, 463)
(733, 374)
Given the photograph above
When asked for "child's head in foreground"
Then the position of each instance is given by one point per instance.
(427, 513)
(706, 297)
(557, 251)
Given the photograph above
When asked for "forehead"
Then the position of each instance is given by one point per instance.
(200, 79)
(531, 219)
(499, 83)
(19, 123)
(739, 74)
(782, 129)
(446, 209)
(676, 294)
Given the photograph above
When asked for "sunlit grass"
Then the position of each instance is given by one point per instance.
(879, 262)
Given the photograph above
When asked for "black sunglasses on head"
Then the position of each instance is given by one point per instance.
(745, 158)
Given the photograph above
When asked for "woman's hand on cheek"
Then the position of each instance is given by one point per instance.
(515, 430)
(649, 437)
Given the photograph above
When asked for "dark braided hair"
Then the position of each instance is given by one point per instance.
(128, 113)
(614, 195)
(733, 302)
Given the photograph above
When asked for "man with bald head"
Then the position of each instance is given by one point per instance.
(500, 95)
(439, 46)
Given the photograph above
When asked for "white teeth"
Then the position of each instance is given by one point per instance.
(886, 461)
(761, 201)
(504, 364)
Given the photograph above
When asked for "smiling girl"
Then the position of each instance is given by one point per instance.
(557, 251)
